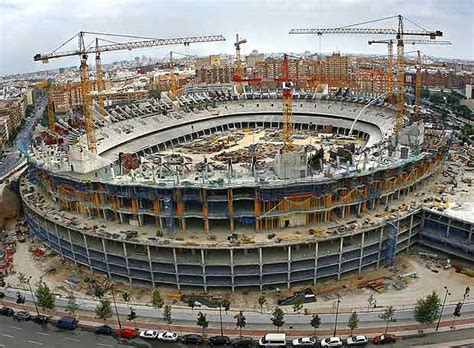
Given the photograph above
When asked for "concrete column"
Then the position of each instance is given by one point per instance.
(316, 250)
(59, 241)
(126, 260)
(410, 232)
(380, 246)
(72, 247)
(260, 262)
(87, 251)
(151, 266)
(203, 264)
(175, 260)
(231, 255)
(341, 245)
(106, 257)
(361, 252)
(289, 266)
(448, 227)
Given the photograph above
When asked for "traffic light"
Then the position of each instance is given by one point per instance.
(457, 310)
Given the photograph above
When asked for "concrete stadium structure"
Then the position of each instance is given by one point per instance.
(141, 227)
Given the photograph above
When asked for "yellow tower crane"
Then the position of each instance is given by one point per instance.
(83, 51)
(45, 85)
(399, 33)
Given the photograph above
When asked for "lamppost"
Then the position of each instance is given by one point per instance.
(115, 305)
(32, 295)
(442, 307)
(220, 315)
(337, 313)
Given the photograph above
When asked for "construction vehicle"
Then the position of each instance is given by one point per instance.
(83, 51)
(400, 32)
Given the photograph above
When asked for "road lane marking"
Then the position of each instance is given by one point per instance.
(10, 336)
(2, 345)
(16, 327)
(104, 345)
(43, 333)
(34, 342)
(72, 339)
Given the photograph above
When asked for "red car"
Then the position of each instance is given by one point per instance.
(126, 333)
(385, 338)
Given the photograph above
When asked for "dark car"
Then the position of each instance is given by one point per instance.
(104, 330)
(6, 311)
(192, 339)
(219, 341)
(67, 323)
(41, 319)
(242, 342)
(385, 338)
(22, 315)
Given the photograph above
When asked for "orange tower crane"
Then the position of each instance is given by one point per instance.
(237, 77)
(399, 33)
(83, 51)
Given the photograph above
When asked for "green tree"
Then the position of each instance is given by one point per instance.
(191, 302)
(126, 297)
(99, 291)
(45, 297)
(22, 278)
(427, 309)
(103, 311)
(156, 299)
(261, 302)
(167, 315)
(298, 304)
(437, 98)
(225, 303)
(241, 321)
(315, 323)
(72, 305)
(353, 322)
(387, 316)
(371, 301)
(277, 318)
(202, 321)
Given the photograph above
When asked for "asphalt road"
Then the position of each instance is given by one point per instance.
(30, 335)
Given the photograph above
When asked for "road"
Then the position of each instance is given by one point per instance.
(15, 157)
(30, 335)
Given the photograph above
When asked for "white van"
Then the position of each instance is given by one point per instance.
(273, 340)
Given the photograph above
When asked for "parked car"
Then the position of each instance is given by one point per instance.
(104, 330)
(6, 311)
(331, 342)
(22, 316)
(242, 342)
(149, 334)
(385, 338)
(273, 340)
(192, 339)
(126, 333)
(304, 342)
(168, 336)
(357, 341)
(40, 319)
(219, 341)
(67, 323)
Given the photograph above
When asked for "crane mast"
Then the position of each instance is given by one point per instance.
(100, 81)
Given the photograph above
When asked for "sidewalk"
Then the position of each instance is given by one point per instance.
(87, 319)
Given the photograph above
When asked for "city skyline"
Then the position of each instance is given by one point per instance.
(259, 22)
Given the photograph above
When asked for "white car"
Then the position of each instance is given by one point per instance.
(331, 342)
(304, 342)
(168, 336)
(357, 340)
(149, 334)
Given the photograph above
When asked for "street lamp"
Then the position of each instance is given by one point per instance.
(220, 315)
(442, 307)
(337, 313)
(115, 305)
(32, 295)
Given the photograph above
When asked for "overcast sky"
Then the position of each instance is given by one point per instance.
(28, 27)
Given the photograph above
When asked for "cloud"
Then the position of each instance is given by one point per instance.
(29, 27)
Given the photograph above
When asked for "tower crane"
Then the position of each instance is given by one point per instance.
(83, 51)
(46, 86)
(389, 43)
(237, 77)
(174, 86)
(400, 32)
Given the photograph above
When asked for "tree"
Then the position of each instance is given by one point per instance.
(371, 301)
(99, 291)
(191, 302)
(202, 321)
(241, 321)
(387, 316)
(315, 323)
(126, 297)
(225, 303)
(22, 278)
(277, 318)
(261, 302)
(44, 295)
(353, 321)
(427, 309)
(167, 315)
(103, 311)
(298, 304)
(72, 305)
(437, 98)
(156, 299)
